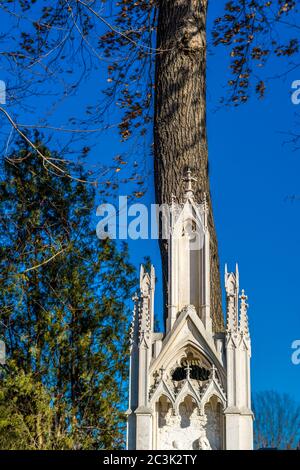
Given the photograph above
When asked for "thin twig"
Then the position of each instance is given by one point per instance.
(44, 262)
(43, 157)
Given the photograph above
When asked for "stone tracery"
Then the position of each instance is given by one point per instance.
(186, 409)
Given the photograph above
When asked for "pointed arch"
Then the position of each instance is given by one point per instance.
(162, 390)
(214, 412)
(187, 390)
(213, 389)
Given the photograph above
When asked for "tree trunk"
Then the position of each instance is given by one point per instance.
(180, 139)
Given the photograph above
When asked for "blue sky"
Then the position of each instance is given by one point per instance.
(254, 177)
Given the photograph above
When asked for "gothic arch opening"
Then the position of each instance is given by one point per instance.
(215, 423)
(164, 409)
(183, 430)
(187, 410)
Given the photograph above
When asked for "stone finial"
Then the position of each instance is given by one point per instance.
(144, 302)
(213, 372)
(243, 296)
(188, 179)
(232, 290)
(231, 283)
(152, 276)
(135, 332)
(237, 274)
(142, 273)
(162, 372)
(244, 324)
(188, 371)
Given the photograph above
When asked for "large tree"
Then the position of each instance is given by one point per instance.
(154, 50)
(63, 294)
(180, 117)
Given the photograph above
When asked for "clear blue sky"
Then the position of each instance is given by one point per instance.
(253, 177)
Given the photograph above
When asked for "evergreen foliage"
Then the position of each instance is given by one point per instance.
(63, 313)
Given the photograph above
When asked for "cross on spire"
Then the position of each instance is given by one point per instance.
(162, 372)
(243, 296)
(188, 371)
(189, 179)
(213, 371)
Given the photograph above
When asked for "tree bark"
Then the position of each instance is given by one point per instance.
(180, 139)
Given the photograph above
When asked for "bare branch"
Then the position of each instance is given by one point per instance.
(45, 159)
(44, 262)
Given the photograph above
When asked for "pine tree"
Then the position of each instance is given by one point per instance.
(63, 299)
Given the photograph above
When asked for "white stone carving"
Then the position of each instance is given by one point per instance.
(203, 441)
(189, 412)
(213, 427)
(185, 430)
